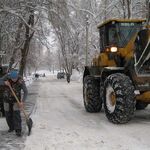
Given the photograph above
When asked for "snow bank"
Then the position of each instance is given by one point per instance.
(47, 72)
(76, 76)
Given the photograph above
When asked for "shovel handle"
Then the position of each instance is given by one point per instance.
(14, 94)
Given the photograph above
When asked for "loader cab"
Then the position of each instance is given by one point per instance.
(117, 33)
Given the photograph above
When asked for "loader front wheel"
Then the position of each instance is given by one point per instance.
(119, 97)
(91, 94)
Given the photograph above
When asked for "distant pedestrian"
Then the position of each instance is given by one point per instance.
(11, 107)
(36, 76)
(1, 71)
(68, 77)
(44, 75)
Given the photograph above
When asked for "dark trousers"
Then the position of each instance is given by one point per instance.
(13, 117)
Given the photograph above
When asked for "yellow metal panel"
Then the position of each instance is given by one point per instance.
(104, 61)
(144, 97)
(121, 20)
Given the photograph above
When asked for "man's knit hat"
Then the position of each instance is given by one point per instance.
(13, 74)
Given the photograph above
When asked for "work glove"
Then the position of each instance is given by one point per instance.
(21, 105)
(7, 83)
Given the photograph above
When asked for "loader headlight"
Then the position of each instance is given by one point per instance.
(113, 49)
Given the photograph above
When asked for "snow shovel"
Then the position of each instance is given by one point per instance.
(29, 121)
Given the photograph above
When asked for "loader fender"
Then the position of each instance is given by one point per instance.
(110, 70)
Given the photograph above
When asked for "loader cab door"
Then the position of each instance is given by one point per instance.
(108, 36)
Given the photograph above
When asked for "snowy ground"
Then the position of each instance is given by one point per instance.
(61, 122)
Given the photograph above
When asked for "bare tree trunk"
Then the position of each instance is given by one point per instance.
(1, 57)
(12, 59)
(1, 60)
(148, 11)
(124, 10)
(129, 8)
(105, 11)
(25, 50)
(59, 61)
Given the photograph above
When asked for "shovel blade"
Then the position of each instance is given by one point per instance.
(29, 124)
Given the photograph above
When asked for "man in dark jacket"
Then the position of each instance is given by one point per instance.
(11, 107)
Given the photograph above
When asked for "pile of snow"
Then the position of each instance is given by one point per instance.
(76, 76)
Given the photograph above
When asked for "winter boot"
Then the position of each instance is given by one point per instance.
(10, 130)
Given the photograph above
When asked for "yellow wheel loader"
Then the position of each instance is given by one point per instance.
(119, 77)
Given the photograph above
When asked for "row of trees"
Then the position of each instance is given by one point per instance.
(25, 24)
(21, 27)
(74, 23)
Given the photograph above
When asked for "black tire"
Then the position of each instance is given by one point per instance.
(102, 91)
(91, 94)
(141, 105)
(120, 86)
(3, 113)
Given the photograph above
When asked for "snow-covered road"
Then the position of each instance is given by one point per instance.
(61, 123)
